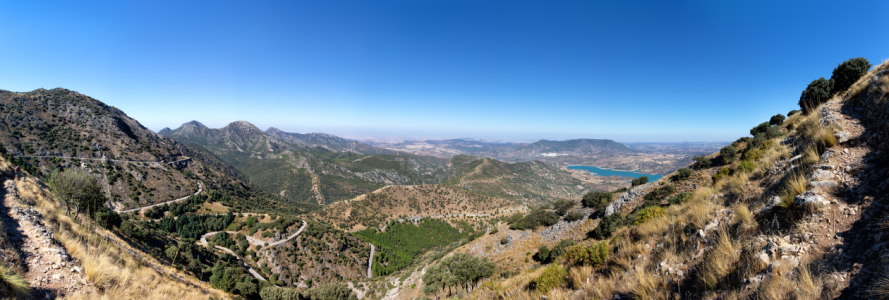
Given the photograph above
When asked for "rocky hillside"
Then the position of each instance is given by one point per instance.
(327, 141)
(527, 182)
(373, 210)
(44, 130)
(797, 211)
(308, 170)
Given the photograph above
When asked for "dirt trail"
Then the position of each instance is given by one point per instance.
(49, 269)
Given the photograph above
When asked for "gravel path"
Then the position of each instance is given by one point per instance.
(200, 189)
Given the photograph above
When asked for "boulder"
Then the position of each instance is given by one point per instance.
(843, 136)
(822, 175)
(772, 203)
(809, 198)
(826, 184)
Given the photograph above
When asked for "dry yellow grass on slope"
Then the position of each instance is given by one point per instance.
(115, 273)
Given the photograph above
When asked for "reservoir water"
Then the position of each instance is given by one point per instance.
(608, 172)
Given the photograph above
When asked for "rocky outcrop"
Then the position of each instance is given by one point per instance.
(629, 197)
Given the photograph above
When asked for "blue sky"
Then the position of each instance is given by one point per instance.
(658, 71)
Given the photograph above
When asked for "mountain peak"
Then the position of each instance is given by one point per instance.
(242, 127)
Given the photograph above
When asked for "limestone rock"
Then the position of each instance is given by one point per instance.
(774, 202)
(827, 184)
(809, 198)
(822, 175)
(843, 136)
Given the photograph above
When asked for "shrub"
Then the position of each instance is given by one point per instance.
(679, 198)
(573, 216)
(777, 119)
(640, 181)
(701, 162)
(276, 293)
(597, 200)
(331, 291)
(728, 154)
(683, 174)
(516, 221)
(552, 277)
(792, 112)
(761, 128)
(504, 241)
(816, 93)
(847, 73)
(594, 255)
(746, 166)
(753, 154)
(722, 173)
(494, 230)
(607, 226)
(655, 197)
(649, 213)
(542, 253)
(540, 217)
(562, 206)
(560, 249)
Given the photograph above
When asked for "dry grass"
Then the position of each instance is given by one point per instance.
(795, 185)
(578, 275)
(12, 285)
(115, 273)
(719, 261)
(649, 285)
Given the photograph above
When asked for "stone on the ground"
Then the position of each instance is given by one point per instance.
(809, 198)
(843, 136)
(774, 202)
(827, 184)
(822, 175)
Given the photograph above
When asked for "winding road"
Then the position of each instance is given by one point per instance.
(370, 261)
(105, 159)
(256, 242)
(200, 189)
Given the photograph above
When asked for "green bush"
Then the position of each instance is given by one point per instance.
(540, 217)
(331, 291)
(722, 173)
(754, 154)
(607, 226)
(816, 93)
(761, 128)
(777, 119)
(594, 255)
(655, 197)
(847, 73)
(728, 154)
(560, 249)
(679, 198)
(746, 166)
(542, 254)
(701, 162)
(640, 181)
(682, 174)
(562, 206)
(552, 277)
(597, 200)
(649, 213)
(504, 241)
(573, 216)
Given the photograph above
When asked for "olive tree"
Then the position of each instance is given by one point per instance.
(78, 190)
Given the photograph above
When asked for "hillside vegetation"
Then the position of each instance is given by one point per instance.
(526, 182)
(373, 210)
(316, 167)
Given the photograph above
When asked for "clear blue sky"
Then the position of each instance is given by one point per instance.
(498, 70)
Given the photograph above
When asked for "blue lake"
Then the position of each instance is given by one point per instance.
(607, 172)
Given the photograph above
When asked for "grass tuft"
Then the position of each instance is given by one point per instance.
(12, 284)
